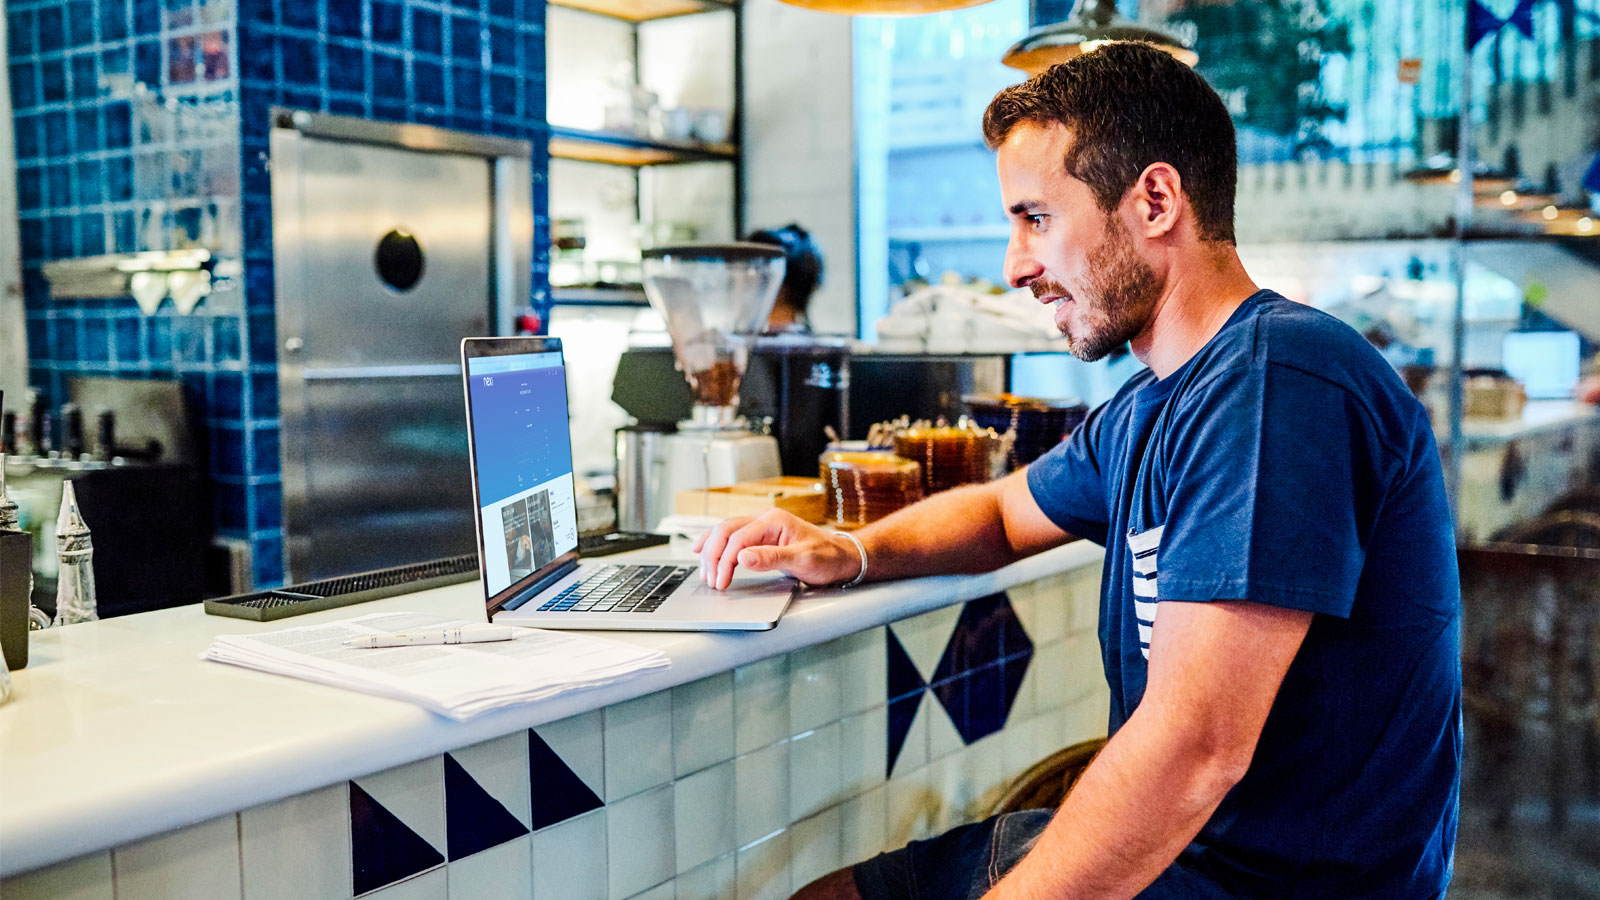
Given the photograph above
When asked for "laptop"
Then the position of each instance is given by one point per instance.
(520, 450)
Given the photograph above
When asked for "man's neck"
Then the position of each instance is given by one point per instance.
(1192, 308)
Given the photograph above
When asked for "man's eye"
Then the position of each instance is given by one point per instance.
(1037, 219)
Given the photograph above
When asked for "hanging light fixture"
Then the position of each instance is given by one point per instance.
(1093, 23)
(883, 7)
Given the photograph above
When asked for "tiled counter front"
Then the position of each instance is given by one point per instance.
(745, 784)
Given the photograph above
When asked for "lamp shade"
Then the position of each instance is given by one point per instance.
(883, 7)
(1092, 24)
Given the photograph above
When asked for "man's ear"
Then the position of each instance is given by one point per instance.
(1158, 200)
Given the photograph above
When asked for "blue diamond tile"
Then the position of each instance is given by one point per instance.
(978, 676)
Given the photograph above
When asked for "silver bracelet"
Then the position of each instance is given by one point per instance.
(861, 549)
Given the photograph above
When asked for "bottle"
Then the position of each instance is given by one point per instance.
(11, 520)
(75, 579)
(105, 444)
(10, 513)
(72, 444)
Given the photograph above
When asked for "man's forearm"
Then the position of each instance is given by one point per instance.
(954, 532)
(1139, 804)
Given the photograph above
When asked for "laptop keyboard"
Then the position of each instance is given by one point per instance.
(638, 589)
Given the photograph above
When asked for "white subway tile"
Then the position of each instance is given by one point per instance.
(580, 742)
(1084, 615)
(640, 828)
(638, 745)
(1086, 672)
(814, 687)
(816, 778)
(200, 862)
(864, 826)
(715, 880)
(84, 878)
(704, 806)
(862, 671)
(1050, 677)
(1086, 717)
(1020, 744)
(986, 761)
(433, 885)
(308, 835)
(763, 869)
(569, 859)
(863, 745)
(702, 723)
(816, 846)
(761, 703)
(914, 805)
(1050, 608)
(761, 792)
(500, 767)
(504, 871)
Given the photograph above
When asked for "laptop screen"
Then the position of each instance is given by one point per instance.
(522, 453)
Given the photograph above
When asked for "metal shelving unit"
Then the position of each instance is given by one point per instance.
(642, 152)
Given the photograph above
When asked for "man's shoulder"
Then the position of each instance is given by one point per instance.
(1278, 332)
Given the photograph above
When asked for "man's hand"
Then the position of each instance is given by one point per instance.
(775, 541)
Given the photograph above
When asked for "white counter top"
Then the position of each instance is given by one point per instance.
(118, 730)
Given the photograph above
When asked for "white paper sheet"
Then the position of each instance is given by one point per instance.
(455, 680)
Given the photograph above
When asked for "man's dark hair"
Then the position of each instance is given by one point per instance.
(1129, 105)
(803, 263)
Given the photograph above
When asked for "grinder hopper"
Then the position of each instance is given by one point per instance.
(714, 297)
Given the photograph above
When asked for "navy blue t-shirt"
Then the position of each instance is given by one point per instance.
(1286, 464)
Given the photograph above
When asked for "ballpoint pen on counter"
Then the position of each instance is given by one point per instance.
(459, 634)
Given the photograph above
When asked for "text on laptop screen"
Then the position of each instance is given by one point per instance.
(523, 454)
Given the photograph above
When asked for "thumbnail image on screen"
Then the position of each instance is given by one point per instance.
(519, 540)
(542, 530)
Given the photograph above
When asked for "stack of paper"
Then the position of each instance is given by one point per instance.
(456, 680)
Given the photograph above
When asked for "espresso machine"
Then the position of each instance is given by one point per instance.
(715, 299)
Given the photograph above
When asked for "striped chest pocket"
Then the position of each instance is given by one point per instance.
(1145, 546)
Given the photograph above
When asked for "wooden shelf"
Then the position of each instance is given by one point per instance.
(620, 149)
(643, 10)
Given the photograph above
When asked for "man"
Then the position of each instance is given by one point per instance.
(1280, 607)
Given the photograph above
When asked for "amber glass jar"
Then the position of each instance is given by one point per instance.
(949, 455)
(864, 486)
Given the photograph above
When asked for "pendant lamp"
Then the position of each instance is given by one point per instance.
(883, 7)
(1093, 23)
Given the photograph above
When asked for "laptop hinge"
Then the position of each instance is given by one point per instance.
(533, 590)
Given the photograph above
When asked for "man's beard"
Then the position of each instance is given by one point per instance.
(1117, 302)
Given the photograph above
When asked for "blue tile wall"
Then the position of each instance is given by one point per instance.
(142, 125)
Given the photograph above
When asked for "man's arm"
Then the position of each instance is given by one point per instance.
(969, 529)
(1215, 669)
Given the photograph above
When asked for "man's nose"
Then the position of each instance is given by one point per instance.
(1021, 268)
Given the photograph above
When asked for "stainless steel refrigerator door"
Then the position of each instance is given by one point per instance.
(386, 256)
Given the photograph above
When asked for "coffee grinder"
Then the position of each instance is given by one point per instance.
(715, 299)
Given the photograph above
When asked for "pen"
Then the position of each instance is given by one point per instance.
(457, 634)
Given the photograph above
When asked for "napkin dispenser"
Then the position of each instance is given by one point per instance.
(16, 561)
